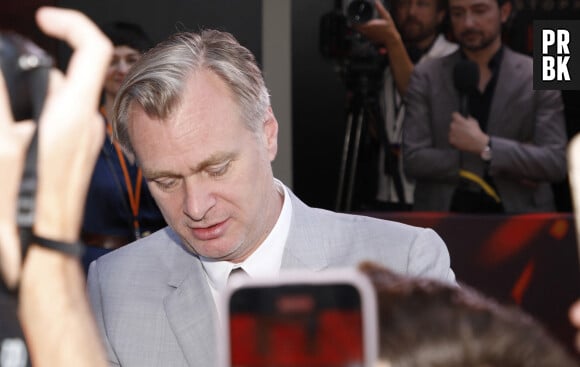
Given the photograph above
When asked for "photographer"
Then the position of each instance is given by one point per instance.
(52, 305)
(413, 36)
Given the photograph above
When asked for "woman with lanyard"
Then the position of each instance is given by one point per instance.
(119, 208)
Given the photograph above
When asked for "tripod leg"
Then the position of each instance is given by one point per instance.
(343, 163)
(354, 161)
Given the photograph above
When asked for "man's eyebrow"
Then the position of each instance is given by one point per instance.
(214, 159)
(152, 175)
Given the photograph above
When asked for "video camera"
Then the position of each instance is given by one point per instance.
(358, 59)
(359, 11)
(25, 68)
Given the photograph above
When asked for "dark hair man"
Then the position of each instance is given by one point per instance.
(507, 145)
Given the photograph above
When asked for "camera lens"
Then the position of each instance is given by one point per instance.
(360, 11)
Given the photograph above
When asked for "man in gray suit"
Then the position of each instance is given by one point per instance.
(503, 156)
(196, 115)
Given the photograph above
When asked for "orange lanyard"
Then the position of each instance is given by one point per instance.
(134, 195)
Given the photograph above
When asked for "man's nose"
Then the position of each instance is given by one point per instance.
(469, 19)
(199, 199)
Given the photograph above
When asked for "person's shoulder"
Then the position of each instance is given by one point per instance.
(408, 249)
(146, 265)
(435, 65)
(157, 249)
(349, 238)
(441, 48)
(367, 224)
(325, 218)
(516, 55)
(518, 59)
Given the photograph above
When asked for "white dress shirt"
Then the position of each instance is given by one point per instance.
(265, 261)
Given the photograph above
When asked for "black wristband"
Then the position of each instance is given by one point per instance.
(75, 249)
(27, 238)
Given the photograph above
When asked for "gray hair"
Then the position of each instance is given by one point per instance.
(156, 82)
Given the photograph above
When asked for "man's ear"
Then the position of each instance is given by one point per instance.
(440, 17)
(271, 133)
(506, 11)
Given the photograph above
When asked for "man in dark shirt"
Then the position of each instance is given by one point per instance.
(501, 153)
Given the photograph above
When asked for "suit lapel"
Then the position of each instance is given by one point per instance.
(448, 83)
(192, 315)
(508, 82)
(190, 309)
(303, 249)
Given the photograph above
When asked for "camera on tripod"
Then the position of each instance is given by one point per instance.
(361, 66)
(357, 59)
(359, 11)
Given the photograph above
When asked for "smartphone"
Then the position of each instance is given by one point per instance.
(301, 319)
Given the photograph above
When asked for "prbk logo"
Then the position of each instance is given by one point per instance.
(557, 54)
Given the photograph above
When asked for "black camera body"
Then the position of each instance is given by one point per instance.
(25, 68)
(359, 11)
(358, 60)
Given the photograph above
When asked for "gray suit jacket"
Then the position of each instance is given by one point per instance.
(153, 304)
(526, 126)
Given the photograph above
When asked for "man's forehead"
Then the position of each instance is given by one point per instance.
(205, 104)
(465, 3)
(409, 2)
(139, 115)
(185, 120)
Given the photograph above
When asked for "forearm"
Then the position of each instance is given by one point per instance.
(399, 62)
(384, 32)
(427, 154)
(54, 311)
(526, 160)
(536, 148)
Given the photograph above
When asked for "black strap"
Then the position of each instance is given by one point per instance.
(27, 238)
(391, 163)
(74, 249)
(25, 68)
(33, 80)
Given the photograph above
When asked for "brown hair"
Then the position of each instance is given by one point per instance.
(425, 323)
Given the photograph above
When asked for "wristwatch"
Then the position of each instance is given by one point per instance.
(486, 154)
